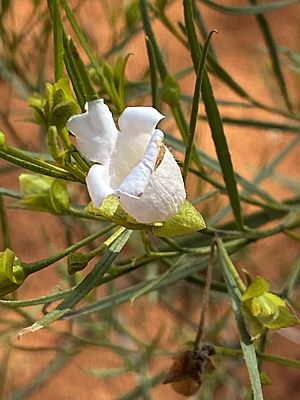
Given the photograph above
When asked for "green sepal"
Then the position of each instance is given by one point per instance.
(11, 272)
(43, 193)
(258, 287)
(40, 118)
(187, 219)
(253, 326)
(77, 262)
(111, 209)
(286, 318)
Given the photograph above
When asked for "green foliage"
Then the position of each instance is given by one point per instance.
(52, 60)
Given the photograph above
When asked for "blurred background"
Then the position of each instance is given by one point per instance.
(136, 341)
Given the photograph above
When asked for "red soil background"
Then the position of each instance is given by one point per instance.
(239, 46)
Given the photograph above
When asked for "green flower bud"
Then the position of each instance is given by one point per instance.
(43, 193)
(61, 112)
(171, 91)
(12, 274)
(263, 309)
(56, 107)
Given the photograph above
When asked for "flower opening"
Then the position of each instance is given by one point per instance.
(131, 162)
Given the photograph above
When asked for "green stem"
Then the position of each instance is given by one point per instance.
(153, 72)
(226, 352)
(57, 37)
(231, 268)
(4, 225)
(37, 266)
(114, 245)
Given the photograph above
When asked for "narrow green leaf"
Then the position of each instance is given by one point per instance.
(42, 323)
(245, 341)
(214, 165)
(109, 89)
(292, 278)
(73, 74)
(78, 32)
(186, 270)
(58, 39)
(244, 10)
(89, 90)
(272, 50)
(195, 107)
(118, 241)
(202, 28)
(153, 72)
(171, 89)
(214, 118)
(262, 124)
(149, 287)
(36, 167)
(149, 33)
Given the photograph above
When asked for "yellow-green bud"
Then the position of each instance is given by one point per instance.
(171, 91)
(43, 193)
(263, 309)
(12, 274)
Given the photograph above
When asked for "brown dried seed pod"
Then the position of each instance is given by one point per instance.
(185, 372)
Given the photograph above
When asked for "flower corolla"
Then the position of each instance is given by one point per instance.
(131, 162)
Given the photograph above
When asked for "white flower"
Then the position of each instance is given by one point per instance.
(132, 163)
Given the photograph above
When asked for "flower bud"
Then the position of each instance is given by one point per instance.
(56, 107)
(171, 91)
(263, 309)
(12, 274)
(43, 193)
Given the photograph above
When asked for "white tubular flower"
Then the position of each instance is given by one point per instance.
(132, 163)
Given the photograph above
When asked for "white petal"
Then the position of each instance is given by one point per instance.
(163, 195)
(135, 183)
(95, 131)
(138, 120)
(98, 183)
